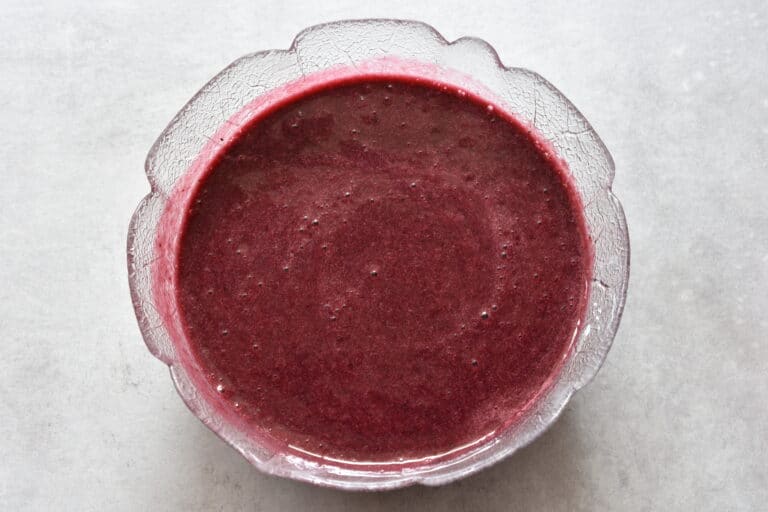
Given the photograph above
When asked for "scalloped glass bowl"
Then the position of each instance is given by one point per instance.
(369, 47)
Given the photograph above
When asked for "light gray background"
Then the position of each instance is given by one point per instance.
(676, 420)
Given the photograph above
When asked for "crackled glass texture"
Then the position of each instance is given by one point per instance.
(364, 46)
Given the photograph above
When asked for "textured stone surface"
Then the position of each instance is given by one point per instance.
(675, 420)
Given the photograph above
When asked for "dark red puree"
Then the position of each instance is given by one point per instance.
(383, 269)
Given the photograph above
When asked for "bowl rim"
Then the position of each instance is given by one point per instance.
(157, 333)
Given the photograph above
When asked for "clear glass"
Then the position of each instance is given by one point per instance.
(369, 47)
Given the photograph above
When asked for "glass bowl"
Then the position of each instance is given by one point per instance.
(343, 49)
